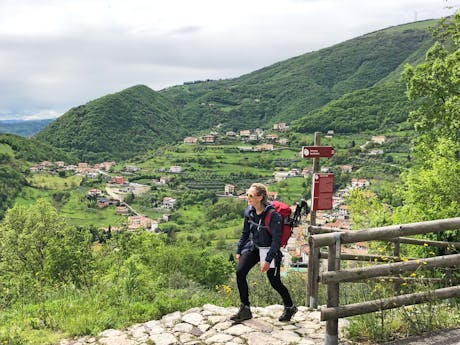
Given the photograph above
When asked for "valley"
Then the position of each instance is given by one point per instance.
(169, 182)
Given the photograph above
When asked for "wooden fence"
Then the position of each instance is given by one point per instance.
(333, 239)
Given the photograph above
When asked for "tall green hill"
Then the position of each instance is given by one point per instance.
(301, 86)
(115, 127)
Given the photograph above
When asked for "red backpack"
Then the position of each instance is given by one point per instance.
(286, 223)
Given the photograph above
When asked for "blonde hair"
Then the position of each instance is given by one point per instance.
(261, 190)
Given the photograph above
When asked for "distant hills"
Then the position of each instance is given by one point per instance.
(349, 87)
(23, 128)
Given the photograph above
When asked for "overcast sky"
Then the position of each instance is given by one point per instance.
(57, 54)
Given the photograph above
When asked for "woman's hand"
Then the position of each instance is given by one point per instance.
(237, 257)
(265, 267)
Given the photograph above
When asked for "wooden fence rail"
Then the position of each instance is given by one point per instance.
(320, 237)
(328, 314)
(388, 232)
(356, 274)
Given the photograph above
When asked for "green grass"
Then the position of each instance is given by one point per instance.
(75, 209)
(78, 213)
(48, 181)
(6, 149)
(292, 189)
(29, 196)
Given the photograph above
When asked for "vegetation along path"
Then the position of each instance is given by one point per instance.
(210, 325)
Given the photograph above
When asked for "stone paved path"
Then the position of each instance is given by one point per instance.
(210, 325)
(446, 337)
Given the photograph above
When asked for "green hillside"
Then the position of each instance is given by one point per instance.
(349, 87)
(116, 126)
(16, 155)
(291, 89)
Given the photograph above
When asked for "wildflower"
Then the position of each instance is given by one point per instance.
(227, 289)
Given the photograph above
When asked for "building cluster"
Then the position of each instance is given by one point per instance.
(338, 217)
(81, 168)
(134, 220)
(246, 135)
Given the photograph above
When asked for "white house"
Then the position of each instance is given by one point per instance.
(282, 127)
(190, 140)
(359, 183)
(282, 175)
(176, 169)
(378, 139)
(164, 180)
(346, 168)
(169, 202)
(229, 189)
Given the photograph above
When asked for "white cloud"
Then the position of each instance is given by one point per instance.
(58, 54)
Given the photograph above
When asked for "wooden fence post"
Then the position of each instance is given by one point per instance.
(333, 264)
(396, 252)
(313, 275)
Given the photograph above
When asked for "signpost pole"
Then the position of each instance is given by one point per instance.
(315, 170)
(312, 301)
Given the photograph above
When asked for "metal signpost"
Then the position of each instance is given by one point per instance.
(322, 190)
(321, 199)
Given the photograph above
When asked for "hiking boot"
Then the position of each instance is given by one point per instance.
(243, 314)
(288, 313)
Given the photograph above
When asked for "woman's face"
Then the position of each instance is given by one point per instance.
(253, 198)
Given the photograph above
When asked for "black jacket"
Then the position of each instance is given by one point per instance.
(255, 233)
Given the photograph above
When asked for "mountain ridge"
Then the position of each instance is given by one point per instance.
(341, 85)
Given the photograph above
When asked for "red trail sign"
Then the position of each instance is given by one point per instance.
(317, 151)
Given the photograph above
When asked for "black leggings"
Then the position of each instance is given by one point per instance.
(247, 261)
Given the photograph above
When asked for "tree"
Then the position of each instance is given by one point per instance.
(366, 210)
(38, 246)
(430, 188)
(435, 85)
(430, 191)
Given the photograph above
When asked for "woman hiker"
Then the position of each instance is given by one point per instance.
(256, 239)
